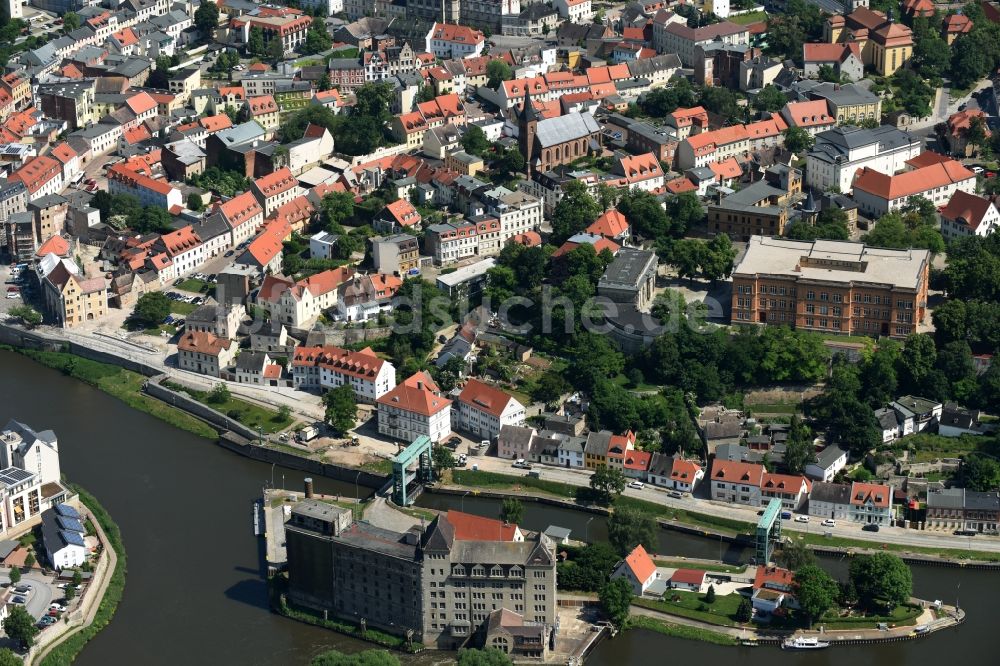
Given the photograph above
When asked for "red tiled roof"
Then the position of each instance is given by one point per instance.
(785, 482)
(327, 281)
(216, 123)
(773, 577)
(63, 152)
(638, 460)
(967, 207)
(809, 114)
(276, 183)
(484, 397)
(680, 184)
(262, 104)
(418, 394)
(56, 245)
(37, 172)
(684, 470)
(449, 32)
(688, 576)
(909, 183)
(403, 213)
(726, 169)
(241, 209)
(268, 243)
(202, 342)
(362, 364)
(528, 239)
(878, 494)
(732, 471)
(611, 224)
(141, 103)
(640, 564)
(469, 527)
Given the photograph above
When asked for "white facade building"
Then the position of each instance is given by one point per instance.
(841, 152)
(484, 409)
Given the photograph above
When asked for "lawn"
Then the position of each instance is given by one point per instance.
(122, 384)
(746, 19)
(679, 630)
(928, 446)
(195, 286)
(774, 407)
(900, 616)
(249, 414)
(182, 308)
(693, 605)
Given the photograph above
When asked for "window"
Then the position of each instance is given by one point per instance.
(810, 295)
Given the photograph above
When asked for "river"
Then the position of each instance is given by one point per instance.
(194, 592)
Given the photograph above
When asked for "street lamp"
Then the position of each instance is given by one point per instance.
(272, 476)
(463, 500)
(586, 537)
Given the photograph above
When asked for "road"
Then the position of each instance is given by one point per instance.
(894, 535)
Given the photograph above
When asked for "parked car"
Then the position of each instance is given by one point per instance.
(19, 599)
(966, 533)
(57, 607)
(521, 464)
(786, 515)
(676, 494)
(870, 527)
(635, 484)
(802, 519)
(829, 522)
(23, 588)
(978, 169)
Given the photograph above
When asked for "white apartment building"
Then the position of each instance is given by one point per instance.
(841, 152)
(577, 11)
(30, 480)
(518, 212)
(244, 215)
(299, 304)
(699, 150)
(736, 482)
(328, 367)
(879, 193)
(968, 215)
(678, 38)
(484, 409)
(414, 408)
(865, 503)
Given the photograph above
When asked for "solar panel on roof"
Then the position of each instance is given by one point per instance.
(71, 524)
(13, 475)
(72, 538)
(66, 510)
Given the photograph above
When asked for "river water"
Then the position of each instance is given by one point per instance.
(195, 595)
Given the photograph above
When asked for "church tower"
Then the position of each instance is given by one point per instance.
(527, 126)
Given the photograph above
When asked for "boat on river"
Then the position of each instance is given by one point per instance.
(803, 643)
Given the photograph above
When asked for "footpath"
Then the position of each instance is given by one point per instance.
(84, 615)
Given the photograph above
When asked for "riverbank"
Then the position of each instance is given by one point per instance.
(500, 486)
(118, 382)
(63, 650)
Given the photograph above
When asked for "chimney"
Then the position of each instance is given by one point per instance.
(309, 487)
(420, 385)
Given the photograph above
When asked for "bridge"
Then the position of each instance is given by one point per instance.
(768, 531)
(411, 465)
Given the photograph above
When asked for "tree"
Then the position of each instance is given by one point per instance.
(284, 414)
(71, 21)
(341, 408)
(979, 473)
(77, 577)
(628, 528)
(931, 55)
(366, 658)
(817, 591)
(335, 209)
(744, 612)
(881, 579)
(511, 511)
(490, 656)
(721, 101)
(795, 555)
(797, 140)
(717, 261)
(687, 255)
(799, 449)
(589, 570)
(549, 387)
(206, 17)
(616, 600)
(607, 483)
(195, 203)
(831, 224)
(710, 595)
(325, 82)
(474, 141)
(15, 575)
(841, 413)
(151, 309)
(317, 38)
(20, 626)
(913, 93)
(828, 74)
(575, 211)
(219, 395)
(275, 50)
(30, 560)
(769, 99)
(443, 459)
(255, 41)
(28, 315)
(70, 593)
(496, 72)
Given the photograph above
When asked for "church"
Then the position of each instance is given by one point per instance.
(550, 142)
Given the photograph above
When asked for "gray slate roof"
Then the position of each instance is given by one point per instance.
(554, 131)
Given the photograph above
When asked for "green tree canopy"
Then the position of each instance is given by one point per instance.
(979, 473)
(486, 657)
(881, 579)
(341, 408)
(151, 309)
(817, 591)
(797, 140)
(28, 315)
(511, 510)
(769, 99)
(616, 600)
(365, 658)
(628, 528)
(607, 482)
(71, 21)
(206, 17)
(575, 212)
(799, 449)
(255, 42)
(317, 38)
(20, 626)
(496, 72)
(474, 141)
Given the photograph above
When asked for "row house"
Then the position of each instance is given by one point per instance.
(71, 299)
(415, 408)
(328, 367)
(150, 191)
(674, 472)
(299, 304)
(366, 296)
(244, 216)
(862, 503)
(447, 40)
(713, 146)
(204, 353)
(450, 242)
(264, 110)
(607, 449)
(954, 509)
(185, 249)
(275, 190)
(878, 193)
(346, 74)
(41, 176)
(483, 410)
